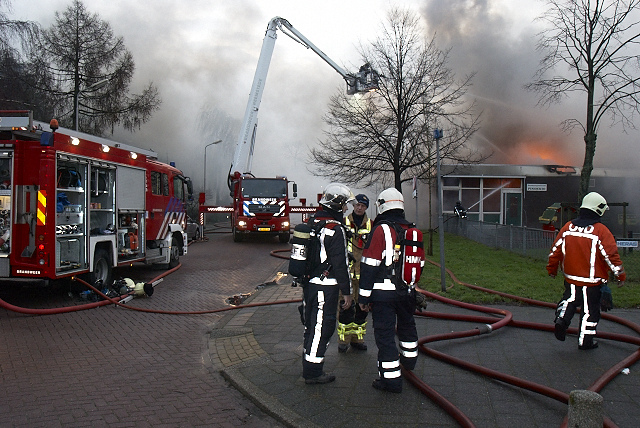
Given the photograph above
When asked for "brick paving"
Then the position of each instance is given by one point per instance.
(115, 367)
(274, 381)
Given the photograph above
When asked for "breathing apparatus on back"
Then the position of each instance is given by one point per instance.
(305, 243)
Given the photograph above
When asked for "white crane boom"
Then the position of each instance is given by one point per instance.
(363, 81)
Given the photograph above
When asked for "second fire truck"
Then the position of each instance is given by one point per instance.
(261, 205)
(72, 203)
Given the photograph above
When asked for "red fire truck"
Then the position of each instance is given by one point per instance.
(261, 205)
(72, 203)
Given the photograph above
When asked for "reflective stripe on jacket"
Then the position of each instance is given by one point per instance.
(585, 254)
(333, 249)
(365, 228)
(375, 283)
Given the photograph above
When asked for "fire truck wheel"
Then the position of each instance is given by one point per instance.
(283, 237)
(174, 258)
(102, 269)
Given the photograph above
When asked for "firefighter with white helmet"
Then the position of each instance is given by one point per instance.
(392, 304)
(586, 251)
(329, 275)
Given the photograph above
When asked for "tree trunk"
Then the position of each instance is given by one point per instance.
(430, 245)
(587, 166)
(398, 181)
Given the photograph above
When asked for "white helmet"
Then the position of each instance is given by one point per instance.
(336, 196)
(595, 202)
(390, 199)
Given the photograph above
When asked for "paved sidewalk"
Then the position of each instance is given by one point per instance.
(259, 351)
(113, 367)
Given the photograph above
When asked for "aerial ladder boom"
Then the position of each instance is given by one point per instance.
(364, 81)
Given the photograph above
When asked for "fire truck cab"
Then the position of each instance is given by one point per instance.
(260, 206)
(72, 203)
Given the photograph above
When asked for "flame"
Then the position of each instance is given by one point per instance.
(542, 152)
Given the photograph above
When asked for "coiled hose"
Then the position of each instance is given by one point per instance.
(499, 319)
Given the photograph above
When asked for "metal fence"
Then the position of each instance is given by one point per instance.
(526, 241)
(529, 242)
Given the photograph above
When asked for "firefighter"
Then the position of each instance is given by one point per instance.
(392, 304)
(586, 251)
(459, 210)
(329, 275)
(352, 322)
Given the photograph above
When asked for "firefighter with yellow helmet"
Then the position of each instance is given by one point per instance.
(587, 252)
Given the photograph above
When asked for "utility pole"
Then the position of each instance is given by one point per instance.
(437, 134)
(204, 177)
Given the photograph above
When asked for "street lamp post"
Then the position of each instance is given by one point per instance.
(99, 84)
(204, 176)
(437, 134)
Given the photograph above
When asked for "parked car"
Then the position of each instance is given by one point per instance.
(194, 231)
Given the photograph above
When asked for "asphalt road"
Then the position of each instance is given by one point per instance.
(111, 366)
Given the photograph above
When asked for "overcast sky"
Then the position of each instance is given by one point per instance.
(202, 54)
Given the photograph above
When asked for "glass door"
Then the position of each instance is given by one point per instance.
(512, 205)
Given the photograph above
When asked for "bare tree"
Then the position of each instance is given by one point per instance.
(17, 81)
(92, 71)
(596, 40)
(12, 30)
(387, 136)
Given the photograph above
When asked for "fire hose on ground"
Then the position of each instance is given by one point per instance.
(118, 302)
(500, 318)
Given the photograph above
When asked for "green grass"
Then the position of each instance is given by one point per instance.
(503, 271)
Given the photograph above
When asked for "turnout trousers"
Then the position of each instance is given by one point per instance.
(589, 299)
(319, 314)
(352, 322)
(390, 317)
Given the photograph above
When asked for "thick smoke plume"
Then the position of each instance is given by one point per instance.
(486, 38)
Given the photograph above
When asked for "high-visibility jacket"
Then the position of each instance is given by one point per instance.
(586, 254)
(358, 233)
(356, 243)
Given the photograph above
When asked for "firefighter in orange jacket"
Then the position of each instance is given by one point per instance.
(392, 305)
(586, 251)
(352, 322)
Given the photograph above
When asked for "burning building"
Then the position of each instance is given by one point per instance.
(520, 194)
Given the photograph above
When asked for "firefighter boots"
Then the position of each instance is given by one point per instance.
(382, 386)
(588, 343)
(359, 346)
(560, 330)
(323, 378)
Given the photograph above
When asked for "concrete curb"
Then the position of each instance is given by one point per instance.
(264, 401)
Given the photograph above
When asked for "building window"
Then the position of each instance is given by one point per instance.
(481, 196)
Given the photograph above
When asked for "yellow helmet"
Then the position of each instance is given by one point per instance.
(595, 202)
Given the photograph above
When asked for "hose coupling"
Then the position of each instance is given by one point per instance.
(485, 329)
